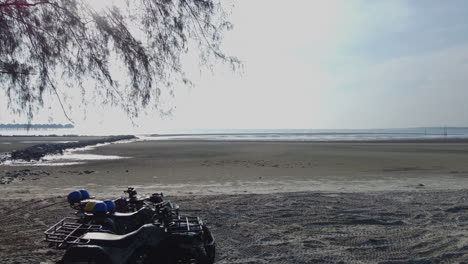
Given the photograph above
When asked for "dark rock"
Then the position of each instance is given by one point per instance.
(10, 176)
(36, 152)
(457, 209)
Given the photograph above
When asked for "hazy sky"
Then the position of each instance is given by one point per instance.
(327, 64)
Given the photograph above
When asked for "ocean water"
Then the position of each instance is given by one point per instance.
(399, 134)
(318, 135)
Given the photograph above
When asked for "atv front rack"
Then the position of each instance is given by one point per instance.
(68, 231)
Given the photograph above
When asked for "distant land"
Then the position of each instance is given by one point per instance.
(34, 126)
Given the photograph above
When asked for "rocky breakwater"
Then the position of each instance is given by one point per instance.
(36, 152)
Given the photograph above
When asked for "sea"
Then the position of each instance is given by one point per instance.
(316, 135)
(313, 135)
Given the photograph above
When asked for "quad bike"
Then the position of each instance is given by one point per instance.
(184, 240)
(154, 233)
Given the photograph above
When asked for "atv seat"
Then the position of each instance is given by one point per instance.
(121, 241)
(130, 215)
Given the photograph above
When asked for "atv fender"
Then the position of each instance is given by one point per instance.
(210, 245)
(119, 248)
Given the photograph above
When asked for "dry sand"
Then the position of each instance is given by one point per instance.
(284, 202)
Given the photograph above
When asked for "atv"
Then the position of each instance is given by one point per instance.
(154, 233)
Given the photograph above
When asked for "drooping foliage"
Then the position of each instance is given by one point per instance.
(128, 52)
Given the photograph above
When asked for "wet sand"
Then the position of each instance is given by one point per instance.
(284, 202)
(190, 167)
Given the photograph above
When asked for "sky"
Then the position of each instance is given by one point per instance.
(321, 64)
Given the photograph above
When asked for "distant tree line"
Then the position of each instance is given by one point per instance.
(34, 126)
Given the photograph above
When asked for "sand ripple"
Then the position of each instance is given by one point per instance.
(381, 227)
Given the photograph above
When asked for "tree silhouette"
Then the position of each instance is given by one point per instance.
(128, 52)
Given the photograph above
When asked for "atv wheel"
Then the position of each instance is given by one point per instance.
(90, 254)
(210, 246)
(176, 255)
(210, 252)
(142, 256)
(203, 257)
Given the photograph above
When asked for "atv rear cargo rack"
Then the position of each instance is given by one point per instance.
(68, 231)
(185, 225)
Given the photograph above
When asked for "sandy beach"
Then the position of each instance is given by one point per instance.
(302, 132)
(267, 202)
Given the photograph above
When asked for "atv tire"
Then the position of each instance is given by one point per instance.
(143, 255)
(90, 254)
